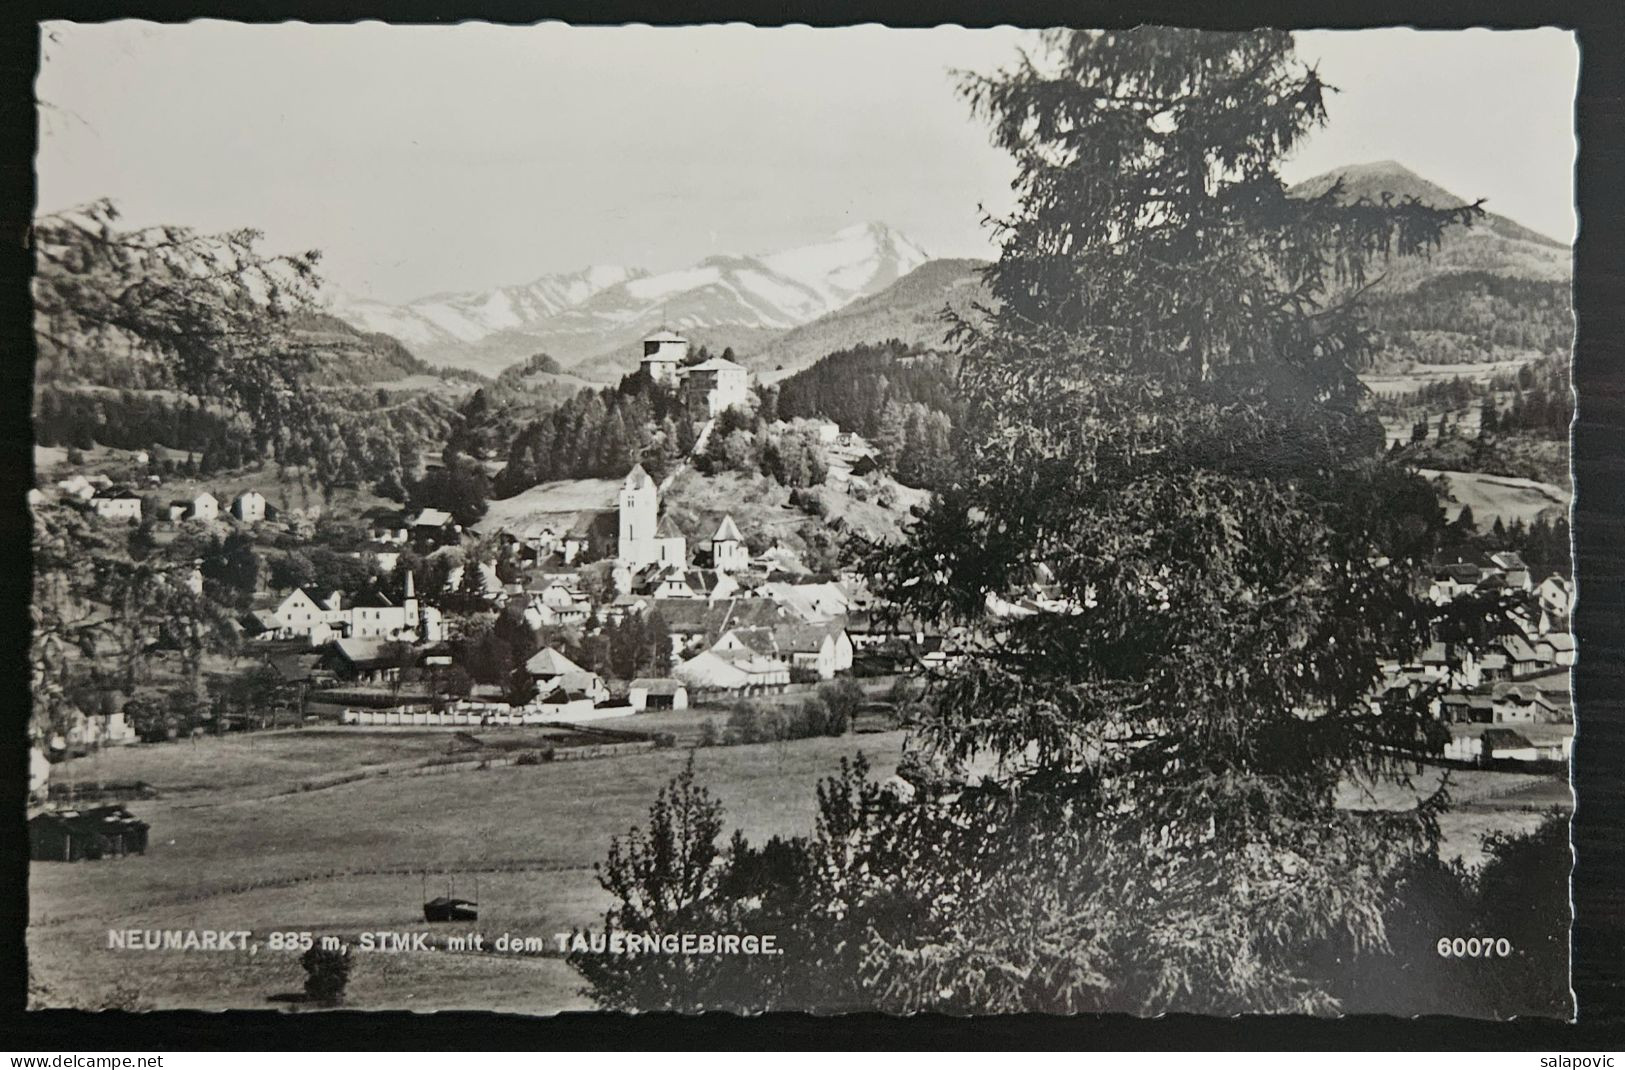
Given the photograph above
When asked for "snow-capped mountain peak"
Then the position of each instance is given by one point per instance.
(599, 308)
(853, 262)
(440, 321)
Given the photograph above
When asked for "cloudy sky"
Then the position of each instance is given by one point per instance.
(424, 159)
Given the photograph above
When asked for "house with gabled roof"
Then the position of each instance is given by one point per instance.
(1513, 569)
(1451, 580)
(1557, 648)
(203, 506)
(714, 386)
(1556, 595)
(1522, 657)
(434, 527)
(249, 507)
(746, 673)
(551, 671)
(306, 608)
(812, 650)
(363, 661)
(696, 623)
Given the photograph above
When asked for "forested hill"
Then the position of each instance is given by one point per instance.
(901, 398)
(345, 356)
(1490, 292)
(350, 357)
(1467, 316)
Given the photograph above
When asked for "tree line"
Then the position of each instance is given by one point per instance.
(903, 399)
(1473, 316)
(601, 434)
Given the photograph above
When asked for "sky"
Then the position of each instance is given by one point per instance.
(430, 159)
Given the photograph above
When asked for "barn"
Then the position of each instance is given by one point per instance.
(650, 693)
(75, 835)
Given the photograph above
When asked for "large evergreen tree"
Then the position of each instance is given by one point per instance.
(1129, 801)
(1164, 415)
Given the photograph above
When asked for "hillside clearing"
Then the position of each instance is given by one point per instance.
(1505, 497)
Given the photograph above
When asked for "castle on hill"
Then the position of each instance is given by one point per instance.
(646, 539)
(708, 388)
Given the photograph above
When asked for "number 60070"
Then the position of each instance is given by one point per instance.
(1473, 947)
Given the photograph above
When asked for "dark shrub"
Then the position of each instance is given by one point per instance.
(327, 972)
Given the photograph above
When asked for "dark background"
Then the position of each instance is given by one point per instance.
(1599, 462)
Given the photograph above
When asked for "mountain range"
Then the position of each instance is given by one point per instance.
(1405, 302)
(867, 283)
(591, 320)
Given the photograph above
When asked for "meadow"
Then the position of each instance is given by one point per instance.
(235, 845)
(362, 855)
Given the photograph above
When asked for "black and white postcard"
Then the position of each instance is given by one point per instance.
(624, 518)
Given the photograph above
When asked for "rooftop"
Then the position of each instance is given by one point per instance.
(717, 364)
(549, 662)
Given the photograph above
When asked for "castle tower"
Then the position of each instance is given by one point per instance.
(639, 516)
(663, 355)
(728, 553)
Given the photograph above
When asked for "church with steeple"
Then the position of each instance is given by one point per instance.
(646, 537)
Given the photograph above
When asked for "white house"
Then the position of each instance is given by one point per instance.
(715, 386)
(558, 604)
(304, 609)
(249, 507)
(709, 671)
(824, 649)
(117, 505)
(204, 506)
(375, 616)
(1555, 595)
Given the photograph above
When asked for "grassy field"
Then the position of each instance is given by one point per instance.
(1407, 380)
(232, 848)
(1482, 802)
(1500, 496)
(258, 764)
(352, 858)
